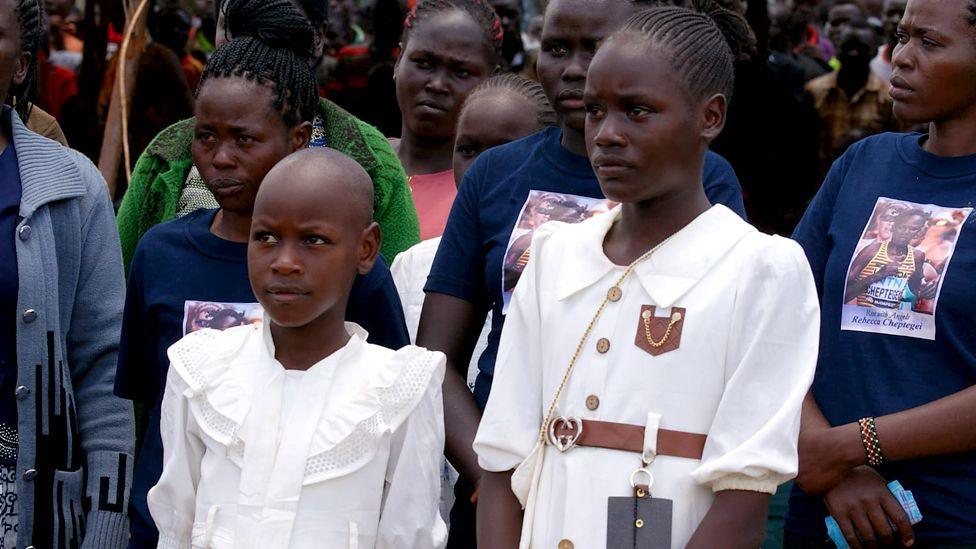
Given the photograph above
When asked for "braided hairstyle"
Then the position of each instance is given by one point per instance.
(972, 13)
(273, 43)
(30, 17)
(317, 11)
(702, 42)
(530, 90)
(479, 10)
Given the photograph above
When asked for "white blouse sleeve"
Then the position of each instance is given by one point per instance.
(172, 502)
(410, 517)
(510, 425)
(772, 355)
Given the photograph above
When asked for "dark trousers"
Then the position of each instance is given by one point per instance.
(463, 532)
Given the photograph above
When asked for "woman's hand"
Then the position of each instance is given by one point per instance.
(866, 511)
(826, 456)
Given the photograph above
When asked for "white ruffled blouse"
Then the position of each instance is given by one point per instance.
(356, 462)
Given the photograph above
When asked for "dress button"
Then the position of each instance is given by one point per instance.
(592, 402)
(614, 294)
(24, 233)
(30, 474)
(565, 544)
(603, 345)
(22, 392)
(30, 315)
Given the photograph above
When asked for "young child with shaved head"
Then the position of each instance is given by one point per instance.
(296, 432)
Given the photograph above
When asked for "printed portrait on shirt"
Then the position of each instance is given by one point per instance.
(198, 315)
(541, 207)
(896, 273)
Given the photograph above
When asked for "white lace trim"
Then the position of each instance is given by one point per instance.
(395, 403)
(189, 355)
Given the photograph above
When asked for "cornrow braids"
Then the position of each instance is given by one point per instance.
(972, 14)
(530, 90)
(272, 45)
(30, 17)
(276, 22)
(317, 11)
(703, 42)
(479, 10)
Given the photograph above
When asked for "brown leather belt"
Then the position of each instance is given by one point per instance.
(565, 433)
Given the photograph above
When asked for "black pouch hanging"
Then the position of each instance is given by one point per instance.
(639, 523)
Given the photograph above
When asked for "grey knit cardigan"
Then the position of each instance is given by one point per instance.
(76, 436)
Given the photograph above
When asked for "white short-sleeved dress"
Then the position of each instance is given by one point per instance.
(746, 358)
(346, 454)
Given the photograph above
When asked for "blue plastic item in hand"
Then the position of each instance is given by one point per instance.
(904, 498)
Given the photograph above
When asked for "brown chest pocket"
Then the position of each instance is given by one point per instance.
(659, 335)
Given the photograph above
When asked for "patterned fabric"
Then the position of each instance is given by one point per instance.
(8, 507)
(843, 118)
(319, 137)
(8, 443)
(196, 195)
(69, 268)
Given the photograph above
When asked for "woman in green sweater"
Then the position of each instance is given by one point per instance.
(165, 184)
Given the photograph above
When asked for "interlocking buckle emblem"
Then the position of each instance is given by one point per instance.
(565, 441)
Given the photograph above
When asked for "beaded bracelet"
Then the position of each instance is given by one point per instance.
(869, 438)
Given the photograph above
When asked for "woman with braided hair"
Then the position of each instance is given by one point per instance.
(676, 438)
(895, 389)
(448, 48)
(165, 184)
(25, 96)
(256, 104)
(66, 442)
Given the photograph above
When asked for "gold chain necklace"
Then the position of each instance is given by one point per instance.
(614, 294)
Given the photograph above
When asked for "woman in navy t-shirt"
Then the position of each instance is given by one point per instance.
(891, 240)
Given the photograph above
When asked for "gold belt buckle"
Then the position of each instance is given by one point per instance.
(565, 442)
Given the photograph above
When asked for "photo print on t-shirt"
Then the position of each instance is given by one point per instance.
(198, 315)
(896, 273)
(541, 207)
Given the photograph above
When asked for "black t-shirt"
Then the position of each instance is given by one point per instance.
(10, 191)
(887, 342)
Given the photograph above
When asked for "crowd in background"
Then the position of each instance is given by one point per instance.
(815, 83)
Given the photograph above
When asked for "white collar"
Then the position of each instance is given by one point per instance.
(357, 336)
(671, 271)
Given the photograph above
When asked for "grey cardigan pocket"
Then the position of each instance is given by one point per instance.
(69, 512)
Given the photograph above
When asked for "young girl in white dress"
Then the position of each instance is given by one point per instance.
(297, 433)
(654, 359)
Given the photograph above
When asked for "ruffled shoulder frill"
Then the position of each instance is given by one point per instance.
(213, 366)
(222, 371)
(350, 437)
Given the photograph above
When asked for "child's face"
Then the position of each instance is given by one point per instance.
(571, 32)
(490, 120)
(643, 131)
(307, 244)
(238, 137)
